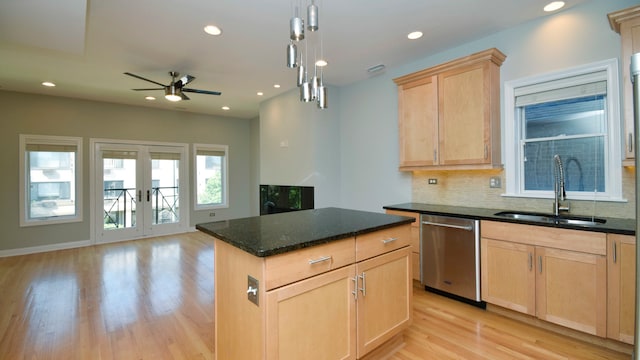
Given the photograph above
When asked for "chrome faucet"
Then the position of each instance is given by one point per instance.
(558, 186)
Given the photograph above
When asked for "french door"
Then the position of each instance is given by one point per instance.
(139, 190)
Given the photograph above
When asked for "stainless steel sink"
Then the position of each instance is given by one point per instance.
(551, 219)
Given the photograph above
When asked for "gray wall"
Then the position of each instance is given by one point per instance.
(368, 123)
(46, 115)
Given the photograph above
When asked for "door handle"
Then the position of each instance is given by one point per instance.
(139, 195)
(364, 284)
(148, 195)
(540, 263)
(615, 251)
(468, 228)
(355, 287)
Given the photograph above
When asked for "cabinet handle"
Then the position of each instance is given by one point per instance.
(615, 253)
(364, 284)
(355, 287)
(630, 142)
(148, 195)
(389, 240)
(530, 261)
(319, 260)
(540, 263)
(435, 156)
(139, 195)
(486, 151)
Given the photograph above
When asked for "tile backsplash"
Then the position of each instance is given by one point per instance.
(471, 188)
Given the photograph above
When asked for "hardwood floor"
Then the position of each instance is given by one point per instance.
(153, 299)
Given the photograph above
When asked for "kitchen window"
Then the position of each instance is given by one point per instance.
(573, 114)
(211, 180)
(50, 178)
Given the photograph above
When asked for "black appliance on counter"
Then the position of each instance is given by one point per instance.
(284, 198)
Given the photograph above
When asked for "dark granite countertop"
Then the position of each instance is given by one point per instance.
(612, 225)
(279, 233)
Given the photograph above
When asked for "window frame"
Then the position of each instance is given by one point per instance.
(24, 187)
(225, 176)
(513, 134)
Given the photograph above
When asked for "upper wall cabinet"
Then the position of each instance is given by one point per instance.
(627, 23)
(449, 114)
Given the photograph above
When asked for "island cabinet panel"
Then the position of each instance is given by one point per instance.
(384, 300)
(568, 286)
(239, 323)
(621, 273)
(289, 267)
(314, 318)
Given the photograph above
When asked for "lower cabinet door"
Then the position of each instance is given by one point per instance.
(571, 289)
(384, 298)
(313, 319)
(621, 273)
(508, 275)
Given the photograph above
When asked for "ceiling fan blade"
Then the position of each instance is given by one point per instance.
(145, 79)
(202, 91)
(148, 89)
(185, 80)
(184, 96)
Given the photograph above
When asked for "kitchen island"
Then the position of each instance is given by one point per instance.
(315, 284)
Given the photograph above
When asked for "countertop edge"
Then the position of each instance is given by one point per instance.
(612, 226)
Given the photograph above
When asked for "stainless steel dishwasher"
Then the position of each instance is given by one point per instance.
(450, 263)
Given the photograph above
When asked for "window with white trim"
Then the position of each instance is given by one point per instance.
(573, 114)
(50, 179)
(211, 179)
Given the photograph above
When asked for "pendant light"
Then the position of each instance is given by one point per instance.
(292, 55)
(312, 17)
(310, 89)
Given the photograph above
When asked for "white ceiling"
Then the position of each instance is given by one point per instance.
(85, 46)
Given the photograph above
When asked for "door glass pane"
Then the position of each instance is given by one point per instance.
(119, 190)
(165, 183)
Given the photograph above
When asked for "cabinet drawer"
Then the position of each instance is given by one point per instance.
(566, 239)
(382, 241)
(300, 264)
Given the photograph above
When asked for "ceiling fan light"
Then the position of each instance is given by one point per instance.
(312, 17)
(172, 94)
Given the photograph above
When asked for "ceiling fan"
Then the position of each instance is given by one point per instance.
(175, 91)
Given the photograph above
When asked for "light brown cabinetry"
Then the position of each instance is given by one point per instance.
(626, 22)
(449, 115)
(621, 273)
(340, 300)
(415, 240)
(558, 275)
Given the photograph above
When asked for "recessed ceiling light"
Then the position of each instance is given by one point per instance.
(225, 108)
(414, 35)
(260, 93)
(553, 6)
(321, 63)
(48, 84)
(213, 30)
(150, 98)
(277, 86)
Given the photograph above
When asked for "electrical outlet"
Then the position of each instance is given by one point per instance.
(252, 289)
(433, 181)
(212, 214)
(495, 182)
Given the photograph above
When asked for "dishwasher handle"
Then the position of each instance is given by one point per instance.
(463, 227)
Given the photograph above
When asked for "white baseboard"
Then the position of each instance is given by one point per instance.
(45, 248)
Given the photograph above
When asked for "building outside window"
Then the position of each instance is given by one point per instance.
(50, 179)
(211, 180)
(573, 114)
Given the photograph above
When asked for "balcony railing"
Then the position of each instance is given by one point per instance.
(120, 206)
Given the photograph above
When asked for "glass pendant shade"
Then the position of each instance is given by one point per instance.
(300, 78)
(315, 84)
(292, 55)
(312, 17)
(296, 26)
(322, 97)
